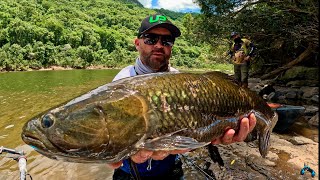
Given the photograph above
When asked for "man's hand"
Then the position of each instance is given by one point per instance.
(246, 126)
(247, 58)
(114, 165)
(233, 58)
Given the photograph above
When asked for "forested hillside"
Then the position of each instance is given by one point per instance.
(80, 33)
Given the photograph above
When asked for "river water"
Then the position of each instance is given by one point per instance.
(23, 95)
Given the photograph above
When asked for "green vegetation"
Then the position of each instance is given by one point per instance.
(284, 32)
(79, 33)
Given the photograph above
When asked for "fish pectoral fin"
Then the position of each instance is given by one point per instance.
(174, 142)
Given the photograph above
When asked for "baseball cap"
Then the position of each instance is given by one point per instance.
(158, 20)
(233, 34)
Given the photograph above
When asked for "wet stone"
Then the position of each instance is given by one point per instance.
(315, 98)
(314, 121)
(299, 140)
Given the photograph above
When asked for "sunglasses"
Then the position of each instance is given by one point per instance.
(152, 39)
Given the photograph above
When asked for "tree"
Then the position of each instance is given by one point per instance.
(78, 33)
(281, 30)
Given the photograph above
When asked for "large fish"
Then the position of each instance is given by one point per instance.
(160, 111)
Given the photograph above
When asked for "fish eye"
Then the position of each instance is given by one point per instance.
(47, 121)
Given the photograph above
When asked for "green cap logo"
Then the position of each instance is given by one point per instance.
(158, 18)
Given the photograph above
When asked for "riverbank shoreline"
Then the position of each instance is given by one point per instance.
(61, 68)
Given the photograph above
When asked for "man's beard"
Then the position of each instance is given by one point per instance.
(161, 64)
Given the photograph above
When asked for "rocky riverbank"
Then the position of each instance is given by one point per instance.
(286, 158)
(298, 86)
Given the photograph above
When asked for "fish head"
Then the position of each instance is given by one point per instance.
(95, 130)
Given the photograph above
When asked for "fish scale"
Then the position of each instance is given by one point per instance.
(159, 111)
(186, 100)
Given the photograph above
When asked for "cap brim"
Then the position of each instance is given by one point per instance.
(234, 34)
(172, 28)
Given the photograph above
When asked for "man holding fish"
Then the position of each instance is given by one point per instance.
(154, 42)
(150, 113)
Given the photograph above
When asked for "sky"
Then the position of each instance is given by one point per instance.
(173, 5)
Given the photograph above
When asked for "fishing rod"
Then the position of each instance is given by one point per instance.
(21, 159)
(198, 168)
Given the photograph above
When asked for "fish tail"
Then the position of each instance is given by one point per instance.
(264, 142)
(264, 131)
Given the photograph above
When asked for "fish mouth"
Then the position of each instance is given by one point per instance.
(48, 148)
(35, 137)
(33, 141)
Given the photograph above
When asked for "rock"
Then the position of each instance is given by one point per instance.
(315, 98)
(254, 87)
(300, 73)
(310, 110)
(259, 165)
(308, 92)
(301, 83)
(285, 90)
(274, 92)
(254, 80)
(282, 97)
(314, 121)
(291, 95)
(285, 159)
(300, 140)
